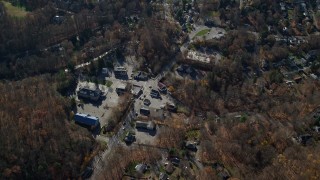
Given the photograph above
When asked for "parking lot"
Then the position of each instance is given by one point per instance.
(102, 108)
(111, 99)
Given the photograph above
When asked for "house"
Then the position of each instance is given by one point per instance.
(141, 168)
(192, 146)
(298, 79)
(162, 88)
(140, 76)
(105, 72)
(130, 138)
(90, 94)
(136, 90)
(146, 125)
(121, 88)
(186, 70)
(305, 139)
(171, 107)
(145, 111)
(86, 119)
(120, 72)
(57, 19)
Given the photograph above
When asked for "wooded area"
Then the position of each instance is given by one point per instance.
(37, 140)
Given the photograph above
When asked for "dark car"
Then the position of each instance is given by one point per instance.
(154, 94)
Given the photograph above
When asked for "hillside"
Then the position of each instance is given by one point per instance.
(36, 139)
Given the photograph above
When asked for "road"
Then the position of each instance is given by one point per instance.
(100, 160)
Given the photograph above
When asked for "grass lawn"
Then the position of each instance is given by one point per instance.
(109, 83)
(14, 11)
(203, 32)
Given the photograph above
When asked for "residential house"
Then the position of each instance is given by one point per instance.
(145, 111)
(190, 145)
(162, 88)
(120, 72)
(105, 72)
(130, 138)
(136, 90)
(121, 88)
(140, 76)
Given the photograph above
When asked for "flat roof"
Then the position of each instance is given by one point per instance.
(122, 86)
(87, 116)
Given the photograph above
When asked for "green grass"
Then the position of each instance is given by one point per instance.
(109, 83)
(215, 14)
(19, 12)
(183, 109)
(290, 14)
(203, 32)
(193, 134)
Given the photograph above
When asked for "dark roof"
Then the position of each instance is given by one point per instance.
(140, 75)
(89, 93)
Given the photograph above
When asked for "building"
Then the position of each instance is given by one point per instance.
(162, 88)
(121, 89)
(146, 125)
(171, 107)
(136, 90)
(105, 72)
(191, 146)
(86, 119)
(130, 138)
(200, 57)
(90, 94)
(145, 111)
(120, 72)
(186, 70)
(140, 76)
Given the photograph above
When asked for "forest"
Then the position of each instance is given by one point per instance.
(38, 140)
(250, 119)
